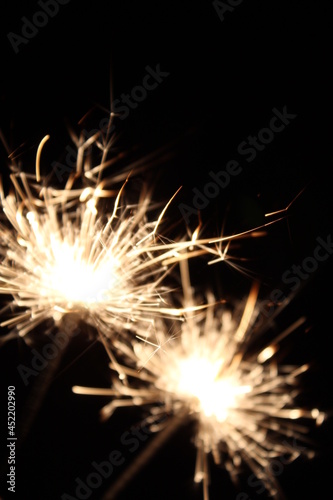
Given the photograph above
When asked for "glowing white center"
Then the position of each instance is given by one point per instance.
(199, 378)
(76, 280)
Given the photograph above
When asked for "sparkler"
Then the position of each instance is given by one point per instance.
(63, 252)
(209, 368)
(61, 255)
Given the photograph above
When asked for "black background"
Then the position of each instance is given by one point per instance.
(225, 79)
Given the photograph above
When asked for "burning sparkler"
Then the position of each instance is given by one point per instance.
(63, 253)
(209, 368)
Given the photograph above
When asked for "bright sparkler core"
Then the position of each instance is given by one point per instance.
(76, 280)
(214, 396)
(67, 273)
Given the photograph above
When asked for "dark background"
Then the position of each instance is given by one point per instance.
(225, 79)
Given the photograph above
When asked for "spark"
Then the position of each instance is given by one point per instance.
(86, 250)
(62, 251)
(38, 155)
(242, 399)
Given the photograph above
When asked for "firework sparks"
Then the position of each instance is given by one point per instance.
(62, 252)
(60, 256)
(244, 404)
